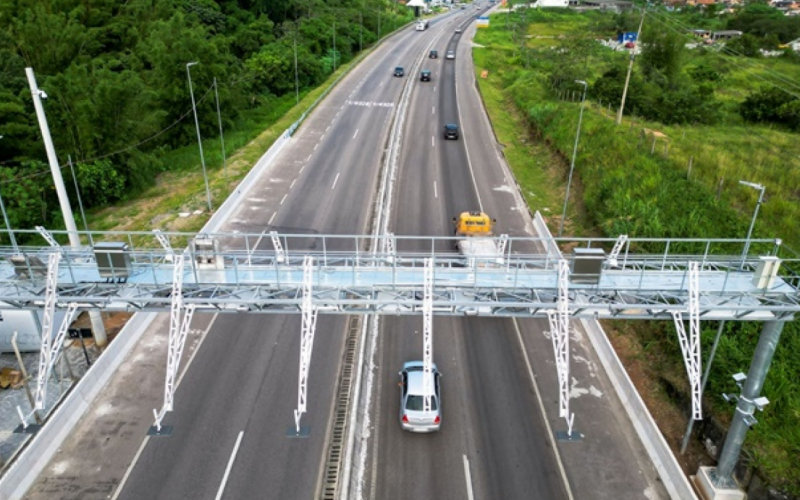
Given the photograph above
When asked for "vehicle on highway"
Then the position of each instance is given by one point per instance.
(630, 45)
(458, 30)
(398, 71)
(412, 399)
(434, 54)
(422, 25)
(451, 131)
(475, 230)
(451, 54)
(425, 75)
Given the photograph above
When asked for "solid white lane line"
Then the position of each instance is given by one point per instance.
(541, 408)
(130, 468)
(284, 198)
(432, 143)
(433, 110)
(271, 218)
(230, 466)
(468, 477)
(335, 181)
(354, 135)
(435, 192)
(147, 438)
(292, 184)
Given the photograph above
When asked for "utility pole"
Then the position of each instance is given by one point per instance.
(630, 69)
(296, 73)
(197, 126)
(98, 328)
(221, 135)
(574, 153)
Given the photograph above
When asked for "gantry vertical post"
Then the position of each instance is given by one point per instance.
(309, 325)
(427, 335)
(742, 418)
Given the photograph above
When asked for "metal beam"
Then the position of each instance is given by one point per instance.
(309, 325)
(178, 330)
(690, 344)
(559, 334)
(427, 336)
(46, 350)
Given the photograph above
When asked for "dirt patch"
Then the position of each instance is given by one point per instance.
(113, 321)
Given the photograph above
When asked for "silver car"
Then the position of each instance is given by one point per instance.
(451, 54)
(412, 399)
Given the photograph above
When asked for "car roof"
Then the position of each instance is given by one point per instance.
(415, 375)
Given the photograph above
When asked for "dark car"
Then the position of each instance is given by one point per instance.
(434, 54)
(425, 75)
(451, 131)
(398, 71)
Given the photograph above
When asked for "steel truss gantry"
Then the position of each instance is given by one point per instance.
(179, 322)
(523, 283)
(559, 334)
(309, 325)
(427, 336)
(690, 344)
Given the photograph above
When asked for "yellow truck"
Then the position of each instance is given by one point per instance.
(476, 242)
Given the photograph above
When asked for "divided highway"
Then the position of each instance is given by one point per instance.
(494, 442)
(235, 402)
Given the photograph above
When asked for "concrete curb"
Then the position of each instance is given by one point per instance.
(670, 472)
(38, 452)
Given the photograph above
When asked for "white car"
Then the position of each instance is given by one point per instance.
(451, 54)
(458, 30)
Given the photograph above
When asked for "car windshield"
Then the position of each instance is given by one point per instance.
(451, 127)
(417, 403)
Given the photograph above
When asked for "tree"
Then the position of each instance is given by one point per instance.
(662, 54)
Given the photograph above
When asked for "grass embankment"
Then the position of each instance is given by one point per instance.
(181, 189)
(625, 186)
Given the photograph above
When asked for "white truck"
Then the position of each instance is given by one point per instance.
(476, 241)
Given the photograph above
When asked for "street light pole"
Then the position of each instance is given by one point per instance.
(574, 152)
(98, 327)
(197, 126)
(761, 189)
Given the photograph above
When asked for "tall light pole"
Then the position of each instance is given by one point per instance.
(755, 214)
(574, 152)
(630, 69)
(98, 327)
(296, 72)
(197, 126)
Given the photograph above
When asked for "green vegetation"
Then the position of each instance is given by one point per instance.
(630, 184)
(118, 98)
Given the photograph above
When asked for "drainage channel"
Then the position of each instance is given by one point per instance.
(333, 464)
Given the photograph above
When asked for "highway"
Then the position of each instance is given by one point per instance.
(234, 405)
(245, 378)
(491, 426)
